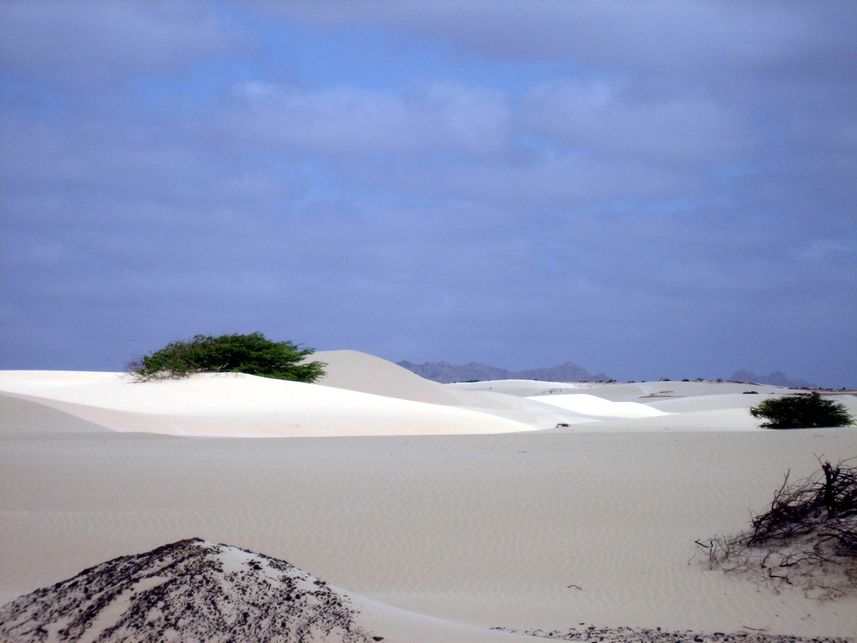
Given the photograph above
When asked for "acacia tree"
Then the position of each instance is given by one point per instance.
(253, 354)
(801, 410)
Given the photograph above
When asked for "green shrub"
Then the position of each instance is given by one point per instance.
(801, 410)
(253, 354)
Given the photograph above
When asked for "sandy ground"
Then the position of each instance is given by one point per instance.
(438, 532)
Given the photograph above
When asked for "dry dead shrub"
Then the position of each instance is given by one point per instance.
(807, 539)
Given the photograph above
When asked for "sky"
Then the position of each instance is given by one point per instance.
(648, 189)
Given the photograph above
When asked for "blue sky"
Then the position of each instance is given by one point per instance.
(650, 189)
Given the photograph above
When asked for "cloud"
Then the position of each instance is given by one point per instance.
(90, 42)
(606, 118)
(566, 181)
(633, 186)
(653, 36)
(426, 119)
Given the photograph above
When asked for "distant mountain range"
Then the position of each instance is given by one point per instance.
(568, 372)
(446, 373)
(777, 378)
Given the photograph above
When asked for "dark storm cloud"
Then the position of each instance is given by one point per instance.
(647, 188)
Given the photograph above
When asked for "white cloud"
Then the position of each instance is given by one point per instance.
(348, 120)
(657, 36)
(604, 117)
(90, 42)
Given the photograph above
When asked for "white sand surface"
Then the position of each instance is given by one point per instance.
(730, 419)
(403, 626)
(653, 391)
(598, 406)
(717, 402)
(17, 414)
(522, 388)
(356, 371)
(439, 536)
(480, 530)
(237, 405)
(197, 590)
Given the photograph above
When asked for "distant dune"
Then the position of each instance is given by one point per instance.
(777, 378)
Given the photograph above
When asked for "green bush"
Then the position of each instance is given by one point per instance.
(253, 354)
(801, 410)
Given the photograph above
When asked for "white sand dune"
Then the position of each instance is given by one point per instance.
(479, 530)
(18, 414)
(357, 371)
(586, 404)
(717, 402)
(440, 520)
(729, 419)
(529, 411)
(239, 405)
(654, 391)
(364, 395)
(521, 388)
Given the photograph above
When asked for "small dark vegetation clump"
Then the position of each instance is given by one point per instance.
(808, 537)
(253, 354)
(801, 410)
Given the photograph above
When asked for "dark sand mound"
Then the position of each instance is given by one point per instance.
(188, 590)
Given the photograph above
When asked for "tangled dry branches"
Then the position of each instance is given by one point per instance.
(808, 538)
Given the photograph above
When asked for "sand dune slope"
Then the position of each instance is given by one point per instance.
(357, 371)
(716, 402)
(522, 388)
(238, 405)
(597, 406)
(660, 390)
(18, 414)
(727, 419)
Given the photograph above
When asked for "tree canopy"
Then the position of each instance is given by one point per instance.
(253, 354)
(801, 410)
